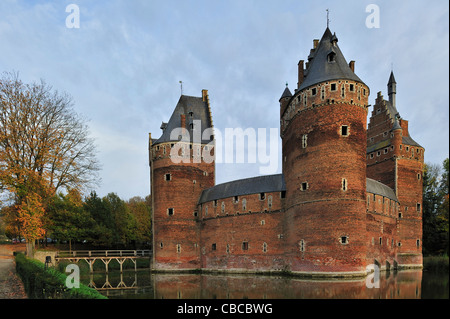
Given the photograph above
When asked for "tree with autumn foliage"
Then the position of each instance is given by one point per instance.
(44, 149)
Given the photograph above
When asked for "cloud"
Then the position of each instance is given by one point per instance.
(123, 65)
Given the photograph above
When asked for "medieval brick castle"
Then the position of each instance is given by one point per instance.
(349, 195)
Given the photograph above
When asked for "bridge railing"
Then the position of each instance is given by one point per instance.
(103, 253)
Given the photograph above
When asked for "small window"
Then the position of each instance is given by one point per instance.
(244, 204)
(344, 130)
(213, 246)
(195, 213)
(304, 186)
(263, 222)
(418, 176)
(245, 245)
(228, 249)
(191, 114)
(161, 245)
(313, 91)
(223, 207)
(343, 91)
(418, 242)
(418, 207)
(283, 194)
(264, 247)
(215, 203)
(381, 240)
(344, 240)
(262, 196)
(170, 211)
(301, 245)
(304, 140)
(352, 88)
(333, 87)
(236, 199)
(269, 201)
(385, 151)
(371, 155)
(344, 184)
(178, 248)
(168, 177)
(378, 153)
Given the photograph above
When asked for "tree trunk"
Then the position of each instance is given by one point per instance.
(30, 248)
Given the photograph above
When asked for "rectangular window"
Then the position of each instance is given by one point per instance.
(262, 196)
(352, 88)
(213, 247)
(178, 248)
(170, 211)
(236, 199)
(313, 91)
(304, 186)
(168, 177)
(283, 194)
(333, 87)
(418, 207)
(245, 245)
(344, 130)
(344, 240)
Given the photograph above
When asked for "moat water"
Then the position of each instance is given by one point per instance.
(142, 284)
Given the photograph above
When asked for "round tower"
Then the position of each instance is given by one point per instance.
(323, 131)
(182, 166)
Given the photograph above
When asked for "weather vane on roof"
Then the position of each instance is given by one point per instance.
(328, 19)
(181, 83)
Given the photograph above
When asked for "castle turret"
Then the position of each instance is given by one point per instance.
(392, 89)
(323, 132)
(182, 166)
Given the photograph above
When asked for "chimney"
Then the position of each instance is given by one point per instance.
(300, 73)
(352, 65)
(315, 43)
(205, 95)
(183, 121)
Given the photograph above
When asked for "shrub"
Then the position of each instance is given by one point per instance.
(44, 283)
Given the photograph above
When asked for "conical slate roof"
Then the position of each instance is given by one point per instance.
(286, 93)
(327, 63)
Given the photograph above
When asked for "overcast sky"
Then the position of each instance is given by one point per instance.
(122, 66)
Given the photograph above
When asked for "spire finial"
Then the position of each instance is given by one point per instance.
(181, 84)
(286, 84)
(328, 19)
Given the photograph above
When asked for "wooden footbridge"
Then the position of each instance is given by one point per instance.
(91, 256)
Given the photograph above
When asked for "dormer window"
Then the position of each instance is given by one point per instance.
(331, 57)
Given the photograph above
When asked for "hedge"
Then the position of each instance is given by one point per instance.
(41, 283)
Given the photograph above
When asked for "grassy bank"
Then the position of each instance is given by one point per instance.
(436, 263)
(41, 283)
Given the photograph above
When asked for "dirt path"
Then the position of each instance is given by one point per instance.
(11, 287)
